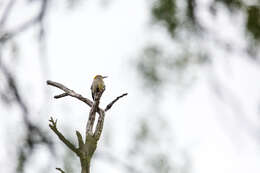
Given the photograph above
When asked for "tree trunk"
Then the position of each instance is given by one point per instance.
(85, 166)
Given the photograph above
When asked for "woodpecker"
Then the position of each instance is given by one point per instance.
(98, 85)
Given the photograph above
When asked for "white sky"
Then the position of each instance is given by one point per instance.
(95, 40)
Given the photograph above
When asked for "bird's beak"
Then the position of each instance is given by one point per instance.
(104, 77)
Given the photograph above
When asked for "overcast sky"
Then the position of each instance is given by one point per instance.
(106, 40)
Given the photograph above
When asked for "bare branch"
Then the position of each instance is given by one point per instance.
(61, 95)
(100, 124)
(101, 117)
(92, 113)
(111, 104)
(69, 92)
(53, 126)
(80, 139)
(59, 169)
(87, 149)
(94, 107)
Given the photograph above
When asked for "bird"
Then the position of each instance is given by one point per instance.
(98, 85)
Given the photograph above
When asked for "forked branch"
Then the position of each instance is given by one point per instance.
(86, 148)
(69, 92)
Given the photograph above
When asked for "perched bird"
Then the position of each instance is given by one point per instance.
(98, 85)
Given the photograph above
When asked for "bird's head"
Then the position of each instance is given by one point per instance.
(100, 77)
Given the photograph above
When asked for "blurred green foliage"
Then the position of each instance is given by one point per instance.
(253, 21)
(148, 66)
(158, 67)
(182, 22)
(165, 12)
(231, 4)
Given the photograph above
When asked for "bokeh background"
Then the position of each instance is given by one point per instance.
(191, 68)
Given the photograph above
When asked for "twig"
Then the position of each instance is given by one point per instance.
(69, 92)
(80, 139)
(53, 126)
(61, 95)
(111, 104)
(59, 169)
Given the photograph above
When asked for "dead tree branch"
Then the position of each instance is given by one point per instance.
(69, 92)
(59, 169)
(53, 126)
(111, 104)
(86, 149)
(100, 124)
(92, 113)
